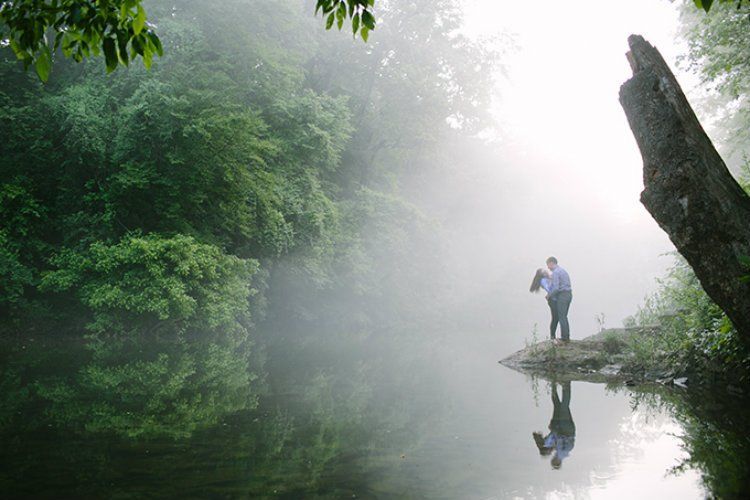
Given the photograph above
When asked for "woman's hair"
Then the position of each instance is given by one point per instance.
(539, 440)
(536, 283)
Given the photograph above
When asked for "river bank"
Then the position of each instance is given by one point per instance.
(615, 355)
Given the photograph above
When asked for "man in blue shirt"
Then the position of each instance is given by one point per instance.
(560, 295)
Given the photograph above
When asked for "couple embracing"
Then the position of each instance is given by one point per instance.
(556, 283)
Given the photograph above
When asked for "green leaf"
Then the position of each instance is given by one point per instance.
(137, 44)
(122, 46)
(43, 63)
(704, 4)
(75, 14)
(368, 19)
(340, 15)
(140, 20)
(744, 260)
(355, 23)
(329, 21)
(110, 54)
(156, 42)
(147, 58)
(20, 53)
(365, 33)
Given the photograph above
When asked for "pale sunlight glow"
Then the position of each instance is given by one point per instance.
(569, 144)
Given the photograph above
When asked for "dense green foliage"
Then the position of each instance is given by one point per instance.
(718, 53)
(258, 146)
(141, 282)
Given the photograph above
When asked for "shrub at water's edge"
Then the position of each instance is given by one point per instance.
(691, 335)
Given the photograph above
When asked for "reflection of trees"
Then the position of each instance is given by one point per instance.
(184, 417)
(152, 387)
(136, 387)
(715, 436)
(354, 415)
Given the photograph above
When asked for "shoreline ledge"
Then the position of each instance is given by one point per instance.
(603, 357)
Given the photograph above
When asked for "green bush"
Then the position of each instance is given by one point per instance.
(692, 333)
(612, 343)
(144, 281)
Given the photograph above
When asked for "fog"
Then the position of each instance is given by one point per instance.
(563, 174)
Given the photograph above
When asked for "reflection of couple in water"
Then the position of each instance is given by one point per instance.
(562, 430)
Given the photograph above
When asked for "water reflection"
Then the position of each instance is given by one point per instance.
(205, 417)
(149, 386)
(194, 417)
(715, 435)
(562, 430)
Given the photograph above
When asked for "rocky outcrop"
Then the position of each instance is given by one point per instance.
(604, 357)
(688, 188)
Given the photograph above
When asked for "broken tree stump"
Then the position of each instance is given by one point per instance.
(688, 188)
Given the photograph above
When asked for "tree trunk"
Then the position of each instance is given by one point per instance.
(688, 188)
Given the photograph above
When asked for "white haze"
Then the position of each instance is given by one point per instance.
(566, 178)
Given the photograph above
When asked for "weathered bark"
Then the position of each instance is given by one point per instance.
(688, 188)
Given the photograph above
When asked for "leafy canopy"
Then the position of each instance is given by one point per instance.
(119, 28)
(116, 28)
(357, 10)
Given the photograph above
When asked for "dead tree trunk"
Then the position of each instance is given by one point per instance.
(688, 188)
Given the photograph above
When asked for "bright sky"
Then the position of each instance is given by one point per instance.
(569, 144)
(560, 101)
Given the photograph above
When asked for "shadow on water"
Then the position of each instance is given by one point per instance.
(208, 417)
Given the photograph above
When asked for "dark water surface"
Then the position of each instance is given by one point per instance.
(205, 418)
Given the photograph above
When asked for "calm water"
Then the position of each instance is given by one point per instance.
(214, 418)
